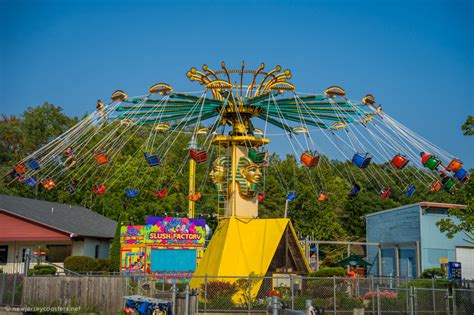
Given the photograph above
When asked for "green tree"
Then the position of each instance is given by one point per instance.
(468, 126)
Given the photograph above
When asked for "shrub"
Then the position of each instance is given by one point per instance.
(223, 302)
(104, 265)
(329, 272)
(218, 288)
(433, 273)
(428, 283)
(1, 270)
(81, 263)
(39, 270)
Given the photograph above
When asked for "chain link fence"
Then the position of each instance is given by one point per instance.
(11, 287)
(253, 294)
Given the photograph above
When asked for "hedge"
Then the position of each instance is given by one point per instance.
(81, 263)
(40, 270)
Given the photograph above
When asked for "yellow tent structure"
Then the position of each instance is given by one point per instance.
(242, 246)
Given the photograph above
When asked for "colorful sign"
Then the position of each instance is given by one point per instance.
(166, 232)
(164, 246)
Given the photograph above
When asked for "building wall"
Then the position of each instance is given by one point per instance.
(87, 247)
(399, 227)
(435, 244)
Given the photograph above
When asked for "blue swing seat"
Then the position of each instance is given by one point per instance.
(291, 196)
(152, 159)
(131, 192)
(361, 161)
(32, 164)
(31, 182)
(410, 190)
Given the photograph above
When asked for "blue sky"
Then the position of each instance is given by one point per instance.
(416, 57)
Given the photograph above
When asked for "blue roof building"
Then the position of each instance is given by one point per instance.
(410, 241)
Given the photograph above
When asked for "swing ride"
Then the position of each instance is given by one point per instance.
(357, 131)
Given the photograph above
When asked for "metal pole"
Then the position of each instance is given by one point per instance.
(412, 304)
(317, 256)
(433, 294)
(372, 290)
(378, 301)
(27, 262)
(334, 292)
(454, 302)
(448, 311)
(205, 293)
(292, 293)
(380, 261)
(397, 261)
(249, 293)
(173, 296)
(14, 288)
(275, 305)
(186, 300)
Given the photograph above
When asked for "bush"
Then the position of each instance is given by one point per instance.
(223, 302)
(81, 263)
(428, 283)
(433, 273)
(104, 265)
(329, 272)
(1, 270)
(218, 288)
(40, 270)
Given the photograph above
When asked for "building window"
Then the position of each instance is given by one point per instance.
(96, 251)
(3, 254)
(57, 253)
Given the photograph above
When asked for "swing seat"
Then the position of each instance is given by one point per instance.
(257, 156)
(435, 186)
(131, 192)
(309, 158)
(323, 196)
(99, 189)
(291, 196)
(399, 161)
(30, 181)
(361, 161)
(32, 164)
(101, 158)
(354, 191)
(385, 193)
(160, 194)
(200, 156)
(152, 159)
(410, 190)
(20, 168)
(48, 183)
(448, 183)
(454, 165)
(430, 161)
(261, 196)
(462, 175)
(195, 197)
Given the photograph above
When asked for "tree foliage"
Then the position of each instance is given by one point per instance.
(340, 218)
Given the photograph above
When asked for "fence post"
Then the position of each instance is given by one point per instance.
(412, 303)
(371, 289)
(378, 300)
(292, 293)
(205, 293)
(334, 293)
(454, 302)
(164, 280)
(448, 311)
(173, 295)
(434, 294)
(249, 293)
(186, 300)
(14, 288)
